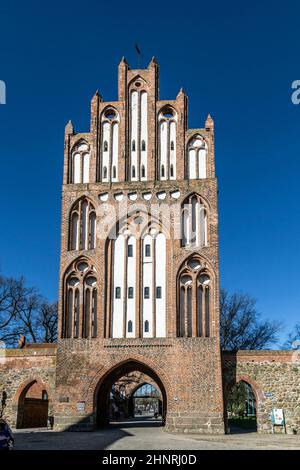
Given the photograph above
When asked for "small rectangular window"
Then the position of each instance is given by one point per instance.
(147, 250)
(146, 292)
(158, 292)
(130, 251)
(118, 293)
(130, 292)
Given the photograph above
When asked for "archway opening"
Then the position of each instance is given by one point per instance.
(33, 406)
(146, 401)
(131, 392)
(241, 408)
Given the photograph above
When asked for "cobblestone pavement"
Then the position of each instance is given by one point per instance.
(148, 435)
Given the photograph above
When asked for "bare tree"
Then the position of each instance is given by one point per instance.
(241, 326)
(24, 311)
(293, 339)
(47, 321)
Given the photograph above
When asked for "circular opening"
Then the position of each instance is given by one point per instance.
(82, 266)
(91, 281)
(109, 114)
(168, 112)
(194, 264)
(73, 281)
(138, 84)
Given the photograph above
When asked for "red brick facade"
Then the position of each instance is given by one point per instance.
(188, 367)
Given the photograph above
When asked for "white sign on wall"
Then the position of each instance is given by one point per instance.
(277, 417)
(80, 406)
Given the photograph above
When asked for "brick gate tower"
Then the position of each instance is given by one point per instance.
(139, 275)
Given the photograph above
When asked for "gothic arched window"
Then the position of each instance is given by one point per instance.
(80, 318)
(110, 148)
(194, 222)
(138, 129)
(194, 300)
(80, 163)
(82, 226)
(197, 158)
(137, 269)
(167, 122)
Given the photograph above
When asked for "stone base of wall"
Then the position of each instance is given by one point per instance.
(74, 422)
(187, 423)
(195, 423)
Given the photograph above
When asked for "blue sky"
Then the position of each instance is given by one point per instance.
(234, 60)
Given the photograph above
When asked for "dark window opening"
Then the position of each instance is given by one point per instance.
(158, 292)
(105, 172)
(143, 145)
(133, 146)
(172, 145)
(130, 292)
(130, 327)
(143, 172)
(114, 172)
(162, 171)
(146, 326)
(172, 170)
(133, 172)
(147, 250)
(146, 292)
(118, 293)
(130, 251)
(105, 146)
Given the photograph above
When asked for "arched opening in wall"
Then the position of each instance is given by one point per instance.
(241, 408)
(132, 391)
(33, 406)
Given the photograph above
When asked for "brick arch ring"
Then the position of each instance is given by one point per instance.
(259, 396)
(31, 381)
(104, 372)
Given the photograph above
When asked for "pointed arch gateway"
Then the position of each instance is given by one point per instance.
(103, 396)
(32, 404)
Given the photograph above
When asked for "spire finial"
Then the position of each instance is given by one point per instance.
(69, 129)
(181, 92)
(209, 123)
(153, 61)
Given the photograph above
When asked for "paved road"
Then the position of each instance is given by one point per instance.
(147, 435)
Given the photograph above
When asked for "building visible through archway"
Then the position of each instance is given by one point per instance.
(117, 394)
(241, 408)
